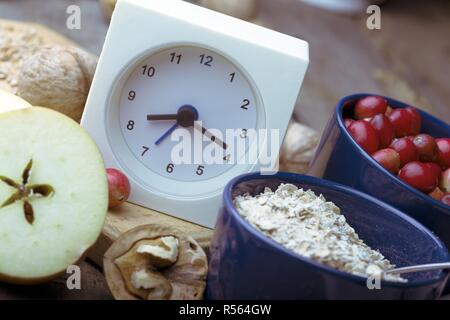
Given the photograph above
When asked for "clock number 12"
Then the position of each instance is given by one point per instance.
(206, 60)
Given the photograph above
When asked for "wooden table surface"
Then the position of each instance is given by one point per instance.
(407, 59)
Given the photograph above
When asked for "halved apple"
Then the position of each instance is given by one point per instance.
(53, 194)
(9, 102)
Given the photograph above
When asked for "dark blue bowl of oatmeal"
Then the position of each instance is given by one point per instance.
(291, 243)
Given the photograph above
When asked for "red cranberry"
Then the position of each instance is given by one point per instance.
(348, 122)
(365, 135)
(446, 199)
(427, 147)
(419, 176)
(384, 128)
(444, 183)
(388, 159)
(416, 117)
(405, 122)
(436, 169)
(370, 106)
(119, 187)
(443, 158)
(406, 149)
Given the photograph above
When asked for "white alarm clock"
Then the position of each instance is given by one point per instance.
(173, 81)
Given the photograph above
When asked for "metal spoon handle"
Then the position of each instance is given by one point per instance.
(420, 268)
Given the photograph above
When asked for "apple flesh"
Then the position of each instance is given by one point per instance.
(53, 194)
(9, 102)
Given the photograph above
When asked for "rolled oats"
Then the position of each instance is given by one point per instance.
(314, 228)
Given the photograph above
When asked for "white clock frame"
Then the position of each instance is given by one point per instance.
(274, 63)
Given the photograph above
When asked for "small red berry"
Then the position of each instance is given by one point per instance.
(427, 147)
(370, 106)
(405, 122)
(443, 158)
(119, 187)
(348, 122)
(416, 119)
(436, 169)
(419, 176)
(365, 135)
(406, 149)
(384, 128)
(388, 159)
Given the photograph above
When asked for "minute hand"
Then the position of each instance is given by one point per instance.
(208, 134)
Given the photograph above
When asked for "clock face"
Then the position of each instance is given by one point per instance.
(186, 113)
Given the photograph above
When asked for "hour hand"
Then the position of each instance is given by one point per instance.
(156, 117)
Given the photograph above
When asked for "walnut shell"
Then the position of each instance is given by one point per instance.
(187, 276)
(58, 78)
(242, 9)
(298, 148)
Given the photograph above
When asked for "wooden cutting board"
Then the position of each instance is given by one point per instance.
(129, 216)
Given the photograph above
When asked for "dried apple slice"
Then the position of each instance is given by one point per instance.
(154, 262)
(53, 194)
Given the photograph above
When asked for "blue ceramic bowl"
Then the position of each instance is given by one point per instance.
(245, 264)
(339, 158)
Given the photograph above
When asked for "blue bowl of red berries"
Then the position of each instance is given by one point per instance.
(390, 150)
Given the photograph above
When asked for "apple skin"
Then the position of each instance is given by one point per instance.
(66, 237)
(118, 186)
(10, 102)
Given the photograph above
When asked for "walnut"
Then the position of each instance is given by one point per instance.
(58, 78)
(298, 148)
(153, 262)
(242, 9)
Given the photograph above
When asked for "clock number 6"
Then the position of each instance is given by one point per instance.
(170, 167)
(148, 71)
(200, 170)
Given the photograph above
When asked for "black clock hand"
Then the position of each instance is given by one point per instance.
(212, 137)
(185, 117)
(156, 117)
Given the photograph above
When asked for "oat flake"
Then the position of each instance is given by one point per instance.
(312, 227)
